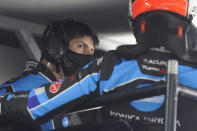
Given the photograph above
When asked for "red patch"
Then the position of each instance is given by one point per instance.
(54, 88)
(72, 77)
(163, 71)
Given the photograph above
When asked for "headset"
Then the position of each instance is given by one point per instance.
(55, 44)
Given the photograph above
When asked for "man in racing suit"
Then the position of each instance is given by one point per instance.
(138, 66)
(60, 56)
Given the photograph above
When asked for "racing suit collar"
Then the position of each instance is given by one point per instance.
(45, 71)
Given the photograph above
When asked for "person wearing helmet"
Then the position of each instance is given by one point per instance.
(66, 46)
(161, 34)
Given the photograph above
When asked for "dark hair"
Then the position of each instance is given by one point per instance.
(74, 29)
(69, 29)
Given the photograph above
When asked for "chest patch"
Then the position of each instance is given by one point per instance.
(55, 86)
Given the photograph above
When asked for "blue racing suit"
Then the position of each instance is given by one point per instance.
(109, 73)
(35, 75)
(28, 80)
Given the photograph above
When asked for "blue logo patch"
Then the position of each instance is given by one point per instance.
(65, 122)
(148, 104)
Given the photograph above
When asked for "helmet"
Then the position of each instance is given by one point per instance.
(56, 38)
(165, 23)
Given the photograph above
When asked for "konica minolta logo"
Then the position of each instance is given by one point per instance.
(155, 62)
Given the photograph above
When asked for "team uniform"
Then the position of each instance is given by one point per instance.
(108, 74)
(35, 75)
(57, 56)
(160, 23)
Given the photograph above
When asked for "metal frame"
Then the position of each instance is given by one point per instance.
(29, 44)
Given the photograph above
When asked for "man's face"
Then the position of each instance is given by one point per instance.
(82, 45)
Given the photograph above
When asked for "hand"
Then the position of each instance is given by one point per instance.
(5, 123)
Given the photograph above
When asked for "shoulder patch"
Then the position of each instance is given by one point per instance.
(55, 86)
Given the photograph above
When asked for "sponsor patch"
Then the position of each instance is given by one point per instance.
(65, 122)
(54, 88)
(163, 70)
(144, 117)
(155, 62)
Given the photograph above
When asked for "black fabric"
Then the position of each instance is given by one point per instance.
(17, 98)
(153, 63)
(107, 63)
(109, 125)
(130, 51)
(10, 117)
(80, 59)
(98, 53)
(72, 61)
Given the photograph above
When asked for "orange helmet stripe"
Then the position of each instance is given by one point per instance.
(141, 6)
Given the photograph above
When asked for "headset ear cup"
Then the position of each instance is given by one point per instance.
(53, 49)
